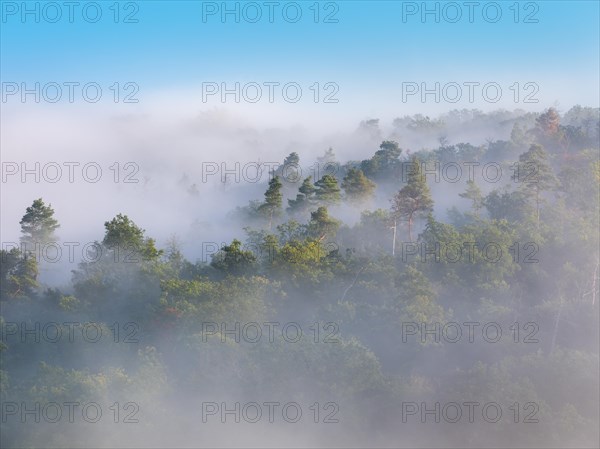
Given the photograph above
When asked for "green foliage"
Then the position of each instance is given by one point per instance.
(578, 177)
(233, 299)
(233, 260)
(473, 193)
(506, 205)
(518, 136)
(519, 257)
(328, 191)
(126, 240)
(38, 224)
(321, 225)
(490, 261)
(305, 199)
(18, 274)
(289, 172)
(357, 187)
(415, 301)
(534, 175)
(271, 207)
(414, 199)
(385, 163)
(371, 235)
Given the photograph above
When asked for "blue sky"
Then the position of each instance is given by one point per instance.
(369, 52)
(171, 51)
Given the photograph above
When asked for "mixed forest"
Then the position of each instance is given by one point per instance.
(491, 299)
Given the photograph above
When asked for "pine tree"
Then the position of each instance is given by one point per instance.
(273, 200)
(289, 172)
(357, 187)
(304, 199)
(25, 276)
(474, 194)
(232, 259)
(534, 174)
(125, 238)
(414, 199)
(328, 191)
(384, 163)
(38, 224)
(321, 224)
(18, 274)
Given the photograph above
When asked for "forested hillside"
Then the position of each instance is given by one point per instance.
(460, 310)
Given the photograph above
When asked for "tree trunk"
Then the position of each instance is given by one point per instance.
(394, 238)
(353, 283)
(594, 282)
(553, 343)
(537, 207)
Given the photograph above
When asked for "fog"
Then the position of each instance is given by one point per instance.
(171, 152)
(327, 335)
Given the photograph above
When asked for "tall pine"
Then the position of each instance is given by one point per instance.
(357, 187)
(413, 200)
(38, 224)
(273, 200)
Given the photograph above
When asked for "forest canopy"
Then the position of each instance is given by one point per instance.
(491, 298)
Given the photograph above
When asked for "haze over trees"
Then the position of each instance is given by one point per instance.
(378, 299)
